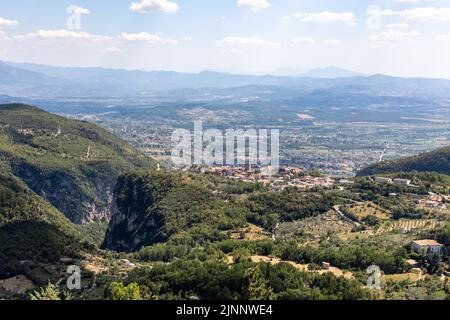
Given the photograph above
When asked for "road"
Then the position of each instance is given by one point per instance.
(337, 208)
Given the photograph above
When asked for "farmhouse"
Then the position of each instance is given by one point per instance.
(405, 182)
(383, 180)
(427, 247)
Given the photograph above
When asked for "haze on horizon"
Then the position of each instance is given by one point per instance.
(409, 38)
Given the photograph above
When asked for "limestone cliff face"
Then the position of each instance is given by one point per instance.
(134, 221)
(155, 207)
(72, 164)
(82, 198)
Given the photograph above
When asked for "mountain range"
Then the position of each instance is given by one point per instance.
(21, 79)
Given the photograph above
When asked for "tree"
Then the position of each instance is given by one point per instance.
(255, 287)
(51, 292)
(121, 292)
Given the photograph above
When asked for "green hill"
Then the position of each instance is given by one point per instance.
(54, 173)
(32, 232)
(74, 165)
(435, 161)
(154, 207)
(158, 207)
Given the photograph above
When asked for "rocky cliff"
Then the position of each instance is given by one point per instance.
(74, 165)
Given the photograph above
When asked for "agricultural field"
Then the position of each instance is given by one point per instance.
(366, 209)
(314, 228)
(250, 233)
(406, 226)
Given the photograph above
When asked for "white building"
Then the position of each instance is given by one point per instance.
(427, 247)
(383, 180)
(405, 182)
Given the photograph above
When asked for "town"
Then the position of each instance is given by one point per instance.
(286, 177)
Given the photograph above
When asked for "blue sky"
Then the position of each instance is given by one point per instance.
(398, 37)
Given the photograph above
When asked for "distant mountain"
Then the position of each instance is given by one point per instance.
(435, 161)
(71, 164)
(100, 81)
(27, 80)
(330, 73)
(10, 75)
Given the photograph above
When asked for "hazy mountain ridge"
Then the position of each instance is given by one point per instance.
(57, 81)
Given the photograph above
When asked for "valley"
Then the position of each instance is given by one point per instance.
(86, 180)
(336, 140)
(185, 235)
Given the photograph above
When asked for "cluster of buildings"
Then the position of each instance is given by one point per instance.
(398, 181)
(288, 177)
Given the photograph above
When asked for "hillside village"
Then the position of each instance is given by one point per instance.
(206, 223)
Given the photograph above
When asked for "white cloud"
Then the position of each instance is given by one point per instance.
(302, 40)
(78, 37)
(254, 5)
(149, 6)
(332, 42)
(231, 41)
(397, 25)
(426, 14)
(62, 34)
(394, 36)
(145, 37)
(326, 16)
(8, 22)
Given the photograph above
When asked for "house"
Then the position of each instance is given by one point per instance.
(427, 247)
(392, 194)
(404, 182)
(413, 264)
(126, 263)
(383, 180)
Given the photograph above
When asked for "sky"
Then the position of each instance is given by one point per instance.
(397, 37)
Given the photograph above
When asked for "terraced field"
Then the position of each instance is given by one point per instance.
(361, 211)
(411, 225)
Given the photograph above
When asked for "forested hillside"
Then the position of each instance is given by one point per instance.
(32, 231)
(54, 173)
(73, 165)
(435, 161)
(151, 207)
